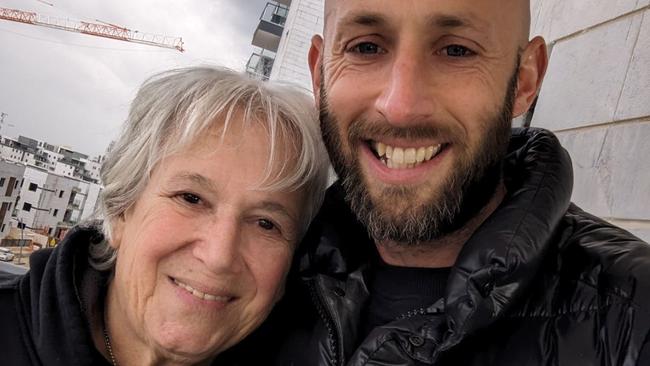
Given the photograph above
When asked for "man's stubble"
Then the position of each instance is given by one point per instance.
(397, 214)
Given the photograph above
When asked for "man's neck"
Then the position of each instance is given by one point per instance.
(442, 252)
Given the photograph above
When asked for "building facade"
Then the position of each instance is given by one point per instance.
(305, 18)
(45, 189)
(284, 41)
(51, 204)
(10, 177)
(56, 159)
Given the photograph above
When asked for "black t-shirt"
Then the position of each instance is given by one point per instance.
(397, 291)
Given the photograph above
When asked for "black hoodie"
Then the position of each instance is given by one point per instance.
(45, 313)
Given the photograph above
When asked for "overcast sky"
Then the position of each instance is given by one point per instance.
(74, 90)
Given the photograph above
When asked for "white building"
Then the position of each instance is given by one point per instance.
(11, 174)
(48, 202)
(56, 159)
(305, 19)
(283, 37)
(61, 168)
(29, 197)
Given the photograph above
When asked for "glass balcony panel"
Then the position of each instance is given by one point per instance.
(260, 66)
(275, 13)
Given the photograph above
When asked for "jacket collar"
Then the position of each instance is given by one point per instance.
(498, 262)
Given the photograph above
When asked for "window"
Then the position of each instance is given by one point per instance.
(33, 187)
(60, 194)
(2, 182)
(3, 228)
(56, 211)
(27, 206)
(49, 231)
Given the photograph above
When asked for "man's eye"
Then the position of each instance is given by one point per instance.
(265, 224)
(191, 198)
(366, 48)
(457, 51)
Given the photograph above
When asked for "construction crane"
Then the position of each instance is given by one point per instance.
(105, 30)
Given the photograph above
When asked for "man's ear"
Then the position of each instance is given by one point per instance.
(532, 69)
(315, 59)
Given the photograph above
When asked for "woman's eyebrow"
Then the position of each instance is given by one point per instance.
(276, 207)
(196, 178)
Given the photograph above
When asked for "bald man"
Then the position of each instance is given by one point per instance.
(450, 238)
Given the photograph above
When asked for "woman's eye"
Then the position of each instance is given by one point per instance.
(266, 224)
(366, 48)
(455, 50)
(191, 198)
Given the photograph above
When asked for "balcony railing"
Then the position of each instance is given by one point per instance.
(269, 30)
(275, 13)
(260, 66)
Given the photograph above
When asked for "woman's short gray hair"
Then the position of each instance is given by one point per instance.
(175, 108)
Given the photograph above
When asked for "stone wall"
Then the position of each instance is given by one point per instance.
(596, 97)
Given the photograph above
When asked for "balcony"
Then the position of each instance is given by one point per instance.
(260, 65)
(269, 30)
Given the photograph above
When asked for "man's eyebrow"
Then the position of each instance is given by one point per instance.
(364, 19)
(448, 21)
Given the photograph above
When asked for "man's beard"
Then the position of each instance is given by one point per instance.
(468, 188)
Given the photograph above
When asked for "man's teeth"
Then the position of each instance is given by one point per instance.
(199, 294)
(400, 158)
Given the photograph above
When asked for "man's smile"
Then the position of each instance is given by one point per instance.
(395, 157)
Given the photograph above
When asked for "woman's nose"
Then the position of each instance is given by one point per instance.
(219, 247)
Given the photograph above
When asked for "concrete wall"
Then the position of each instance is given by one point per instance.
(304, 20)
(38, 177)
(8, 195)
(55, 199)
(63, 169)
(91, 201)
(596, 97)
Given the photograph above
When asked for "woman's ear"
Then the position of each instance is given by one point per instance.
(117, 231)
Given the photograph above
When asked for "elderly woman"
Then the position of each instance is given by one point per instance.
(206, 194)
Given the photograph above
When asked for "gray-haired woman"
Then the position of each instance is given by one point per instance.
(206, 194)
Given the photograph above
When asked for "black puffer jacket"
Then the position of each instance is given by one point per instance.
(540, 283)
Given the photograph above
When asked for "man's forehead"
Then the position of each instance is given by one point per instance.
(445, 13)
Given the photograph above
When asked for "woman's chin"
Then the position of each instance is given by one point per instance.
(189, 346)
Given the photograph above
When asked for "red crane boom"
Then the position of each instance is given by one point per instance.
(93, 29)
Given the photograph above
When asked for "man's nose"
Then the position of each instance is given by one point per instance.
(406, 97)
(219, 246)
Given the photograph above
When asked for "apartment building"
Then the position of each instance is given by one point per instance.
(47, 202)
(56, 159)
(283, 37)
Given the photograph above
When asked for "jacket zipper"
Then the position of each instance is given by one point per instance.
(319, 302)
